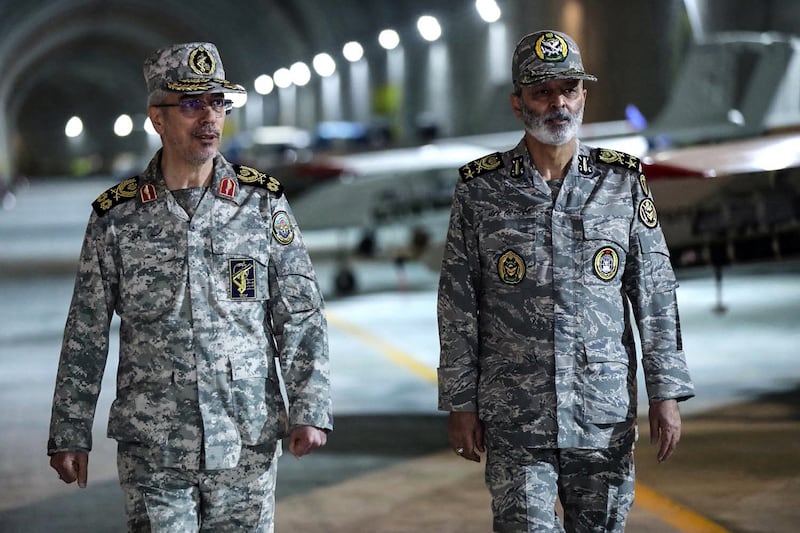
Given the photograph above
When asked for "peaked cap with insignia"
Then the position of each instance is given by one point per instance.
(188, 68)
(547, 55)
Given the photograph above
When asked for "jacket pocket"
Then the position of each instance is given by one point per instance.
(255, 397)
(144, 408)
(606, 396)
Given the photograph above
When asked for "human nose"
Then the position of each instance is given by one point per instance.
(558, 100)
(208, 113)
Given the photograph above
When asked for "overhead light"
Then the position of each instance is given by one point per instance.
(324, 65)
(353, 51)
(301, 74)
(264, 84)
(389, 39)
(238, 99)
(74, 127)
(488, 10)
(282, 77)
(123, 126)
(148, 127)
(429, 28)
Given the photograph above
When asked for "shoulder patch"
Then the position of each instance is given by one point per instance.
(119, 193)
(481, 166)
(612, 157)
(256, 178)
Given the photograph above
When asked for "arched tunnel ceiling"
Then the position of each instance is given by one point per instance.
(84, 57)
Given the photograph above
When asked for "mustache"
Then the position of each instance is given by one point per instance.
(559, 115)
(208, 130)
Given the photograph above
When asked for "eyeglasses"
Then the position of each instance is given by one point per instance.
(195, 107)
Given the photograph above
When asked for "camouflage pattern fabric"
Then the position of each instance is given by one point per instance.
(533, 326)
(207, 305)
(536, 336)
(596, 489)
(167, 500)
(188, 68)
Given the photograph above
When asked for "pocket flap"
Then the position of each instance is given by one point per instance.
(249, 365)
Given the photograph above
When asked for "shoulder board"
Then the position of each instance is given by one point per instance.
(619, 159)
(256, 178)
(119, 193)
(481, 166)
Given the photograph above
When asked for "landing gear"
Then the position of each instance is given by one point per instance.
(344, 282)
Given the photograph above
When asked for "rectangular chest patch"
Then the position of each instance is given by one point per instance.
(242, 277)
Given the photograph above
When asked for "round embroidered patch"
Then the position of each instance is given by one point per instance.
(511, 267)
(647, 213)
(606, 263)
(551, 48)
(282, 227)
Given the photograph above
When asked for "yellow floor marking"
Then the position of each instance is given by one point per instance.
(384, 348)
(676, 515)
(648, 499)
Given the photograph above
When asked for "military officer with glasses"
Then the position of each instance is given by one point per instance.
(204, 264)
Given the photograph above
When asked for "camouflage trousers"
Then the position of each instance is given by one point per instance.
(595, 489)
(167, 500)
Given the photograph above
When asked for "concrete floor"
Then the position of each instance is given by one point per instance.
(387, 467)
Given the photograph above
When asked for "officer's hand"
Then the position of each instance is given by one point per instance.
(465, 431)
(71, 466)
(665, 427)
(305, 439)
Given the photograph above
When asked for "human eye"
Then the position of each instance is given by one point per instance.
(217, 103)
(192, 105)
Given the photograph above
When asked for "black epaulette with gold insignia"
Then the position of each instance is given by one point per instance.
(119, 193)
(612, 157)
(481, 166)
(256, 178)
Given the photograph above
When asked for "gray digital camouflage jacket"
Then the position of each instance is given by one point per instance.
(206, 305)
(533, 323)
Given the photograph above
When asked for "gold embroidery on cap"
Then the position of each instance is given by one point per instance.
(202, 62)
(551, 47)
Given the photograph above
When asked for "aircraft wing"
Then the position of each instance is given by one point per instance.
(730, 202)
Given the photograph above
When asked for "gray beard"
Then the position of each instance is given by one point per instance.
(538, 127)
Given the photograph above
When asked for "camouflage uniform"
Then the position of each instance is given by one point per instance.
(206, 305)
(216, 301)
(534, 329)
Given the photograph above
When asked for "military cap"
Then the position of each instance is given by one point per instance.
(547, 55)
(188, 68)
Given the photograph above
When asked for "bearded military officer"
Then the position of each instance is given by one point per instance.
(548, 243)
(204, 264)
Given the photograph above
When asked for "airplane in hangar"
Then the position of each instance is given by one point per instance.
(722, 160)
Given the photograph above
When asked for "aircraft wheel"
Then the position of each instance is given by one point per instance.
(345, 282)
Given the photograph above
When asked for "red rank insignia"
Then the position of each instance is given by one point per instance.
(227, 188)
(147, 193)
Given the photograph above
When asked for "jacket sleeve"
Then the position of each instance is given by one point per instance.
(298, 322)
(85, 345)
(458, 310)
(650, 285)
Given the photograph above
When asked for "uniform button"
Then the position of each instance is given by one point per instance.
(192, 227)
